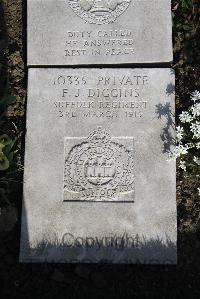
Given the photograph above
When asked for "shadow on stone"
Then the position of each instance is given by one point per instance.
(170, 89)
(112, 250)
(167, 135)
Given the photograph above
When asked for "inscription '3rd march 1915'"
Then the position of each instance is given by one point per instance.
(99, 168)
(99, 11)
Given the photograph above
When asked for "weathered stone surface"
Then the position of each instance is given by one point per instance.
(97, 183)
(75, 32)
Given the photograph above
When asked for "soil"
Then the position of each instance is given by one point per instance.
(112, 281)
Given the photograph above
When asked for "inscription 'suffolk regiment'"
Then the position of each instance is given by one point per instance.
(99, 169)
(99, 11)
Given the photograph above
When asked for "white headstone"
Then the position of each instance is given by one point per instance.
(83, 32)
(98, 186)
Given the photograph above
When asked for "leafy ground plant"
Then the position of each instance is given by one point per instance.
(6, 153)
(187, 150)
(7, 144)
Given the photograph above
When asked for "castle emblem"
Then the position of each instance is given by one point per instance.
(99, 11)
(100, 168)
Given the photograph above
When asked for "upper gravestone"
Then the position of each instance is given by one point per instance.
(75, 32)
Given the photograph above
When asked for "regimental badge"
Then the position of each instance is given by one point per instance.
(99, 168)
(99, 11)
